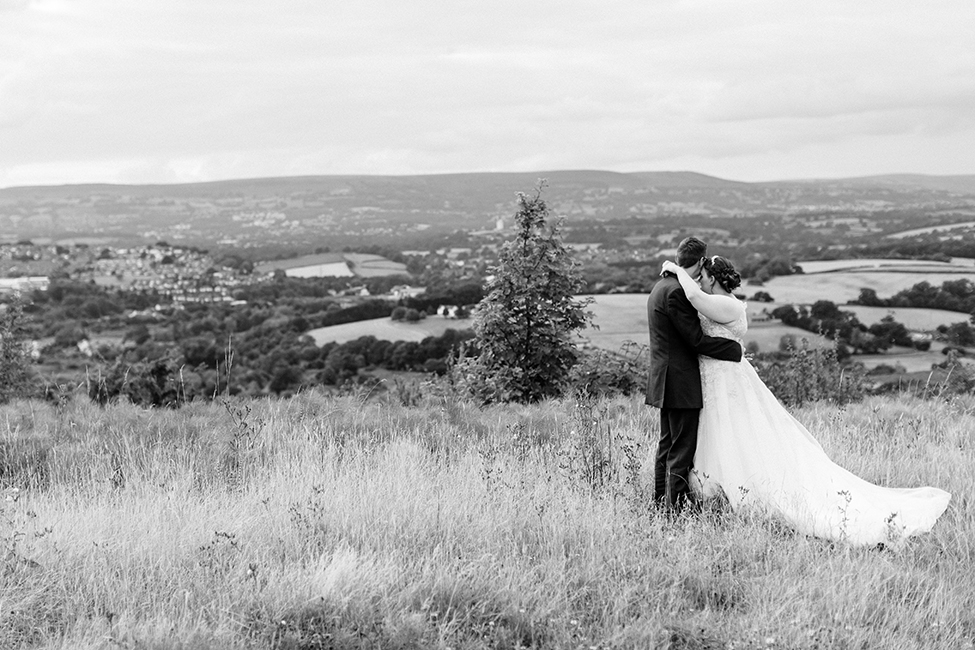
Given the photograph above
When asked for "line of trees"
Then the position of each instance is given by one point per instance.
(952, 295)
(852, 336)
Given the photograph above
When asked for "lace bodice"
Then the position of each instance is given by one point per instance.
(734, 330)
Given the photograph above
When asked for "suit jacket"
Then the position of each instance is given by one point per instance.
(676, 340)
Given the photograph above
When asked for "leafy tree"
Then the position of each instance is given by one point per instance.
(869, 297)
(15, 362)
(524, 325)
(286, 377)
(960, 334)
(138, 334)
(148, 383)
(892, 331)
(411, 315)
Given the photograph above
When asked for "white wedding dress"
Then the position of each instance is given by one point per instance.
(751, 449)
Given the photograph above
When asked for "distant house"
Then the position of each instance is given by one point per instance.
(760, 316)
(405, 291)
(358, 290)
(12, 285)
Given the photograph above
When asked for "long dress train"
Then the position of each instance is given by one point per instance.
(753, 450)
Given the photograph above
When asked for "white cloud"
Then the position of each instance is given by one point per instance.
(137, 92)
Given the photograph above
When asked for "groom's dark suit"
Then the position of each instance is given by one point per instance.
(674, 385)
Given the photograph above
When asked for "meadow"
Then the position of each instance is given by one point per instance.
(957, 265)
(358, 522)
(622, 318)
(617, 320)
(842, 286)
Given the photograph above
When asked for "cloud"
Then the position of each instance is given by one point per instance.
(195, 91)
(13, 5)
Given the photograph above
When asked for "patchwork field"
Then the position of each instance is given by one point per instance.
(335, 265)
(386, 329)
(957, 265)
(932, 229)
(371, 266)
(618, 319)
(622, 318)
(842, 286)
(922, 320)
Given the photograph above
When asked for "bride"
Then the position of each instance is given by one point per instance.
(751, 448)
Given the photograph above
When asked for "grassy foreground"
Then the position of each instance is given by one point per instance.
(321, 522)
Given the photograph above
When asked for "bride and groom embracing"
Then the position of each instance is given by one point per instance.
(722, 431)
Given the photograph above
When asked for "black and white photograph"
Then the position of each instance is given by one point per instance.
(505, 325)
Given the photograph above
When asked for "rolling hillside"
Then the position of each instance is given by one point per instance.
(253, 212)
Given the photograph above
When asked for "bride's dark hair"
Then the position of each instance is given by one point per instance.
(723, 271)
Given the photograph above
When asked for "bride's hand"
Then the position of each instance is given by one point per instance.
(669, 266)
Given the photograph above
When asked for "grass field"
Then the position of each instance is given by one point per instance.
(880, 265)
(931, 229)
(842, 286)
(623, 317)
(322, 522)
(371, 266)
(620, 318)
(922, 320)
(386, 329)
(362, 265)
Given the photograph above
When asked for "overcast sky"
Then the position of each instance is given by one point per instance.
(151, 91)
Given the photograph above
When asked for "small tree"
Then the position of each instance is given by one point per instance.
(524, 325)
(15, 362)
(412, 315)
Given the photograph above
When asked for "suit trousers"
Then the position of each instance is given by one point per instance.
(675, 457)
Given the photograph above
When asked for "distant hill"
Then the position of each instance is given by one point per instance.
(303, 209)
(686, 179)
(964, 185)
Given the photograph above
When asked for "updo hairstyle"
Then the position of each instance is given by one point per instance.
(723, 272)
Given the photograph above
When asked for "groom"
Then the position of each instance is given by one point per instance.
(674, 386)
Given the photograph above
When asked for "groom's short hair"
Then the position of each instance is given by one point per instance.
(690, 251)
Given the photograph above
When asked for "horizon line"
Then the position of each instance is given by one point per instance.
(482, 173)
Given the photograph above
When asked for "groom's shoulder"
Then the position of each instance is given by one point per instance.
(660, 294)
(665, 286)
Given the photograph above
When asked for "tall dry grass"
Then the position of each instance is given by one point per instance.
(322, 522)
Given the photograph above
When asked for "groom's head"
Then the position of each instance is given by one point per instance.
(690, 252)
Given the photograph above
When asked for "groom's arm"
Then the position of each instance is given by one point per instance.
(686, 320)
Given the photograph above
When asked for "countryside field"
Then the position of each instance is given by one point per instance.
(335, 265)
(386, 329)
(622, 318)
(932, 229)
(371, 266)
(957, 265)
(842, 286)
(619, 318)
(336, 522)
